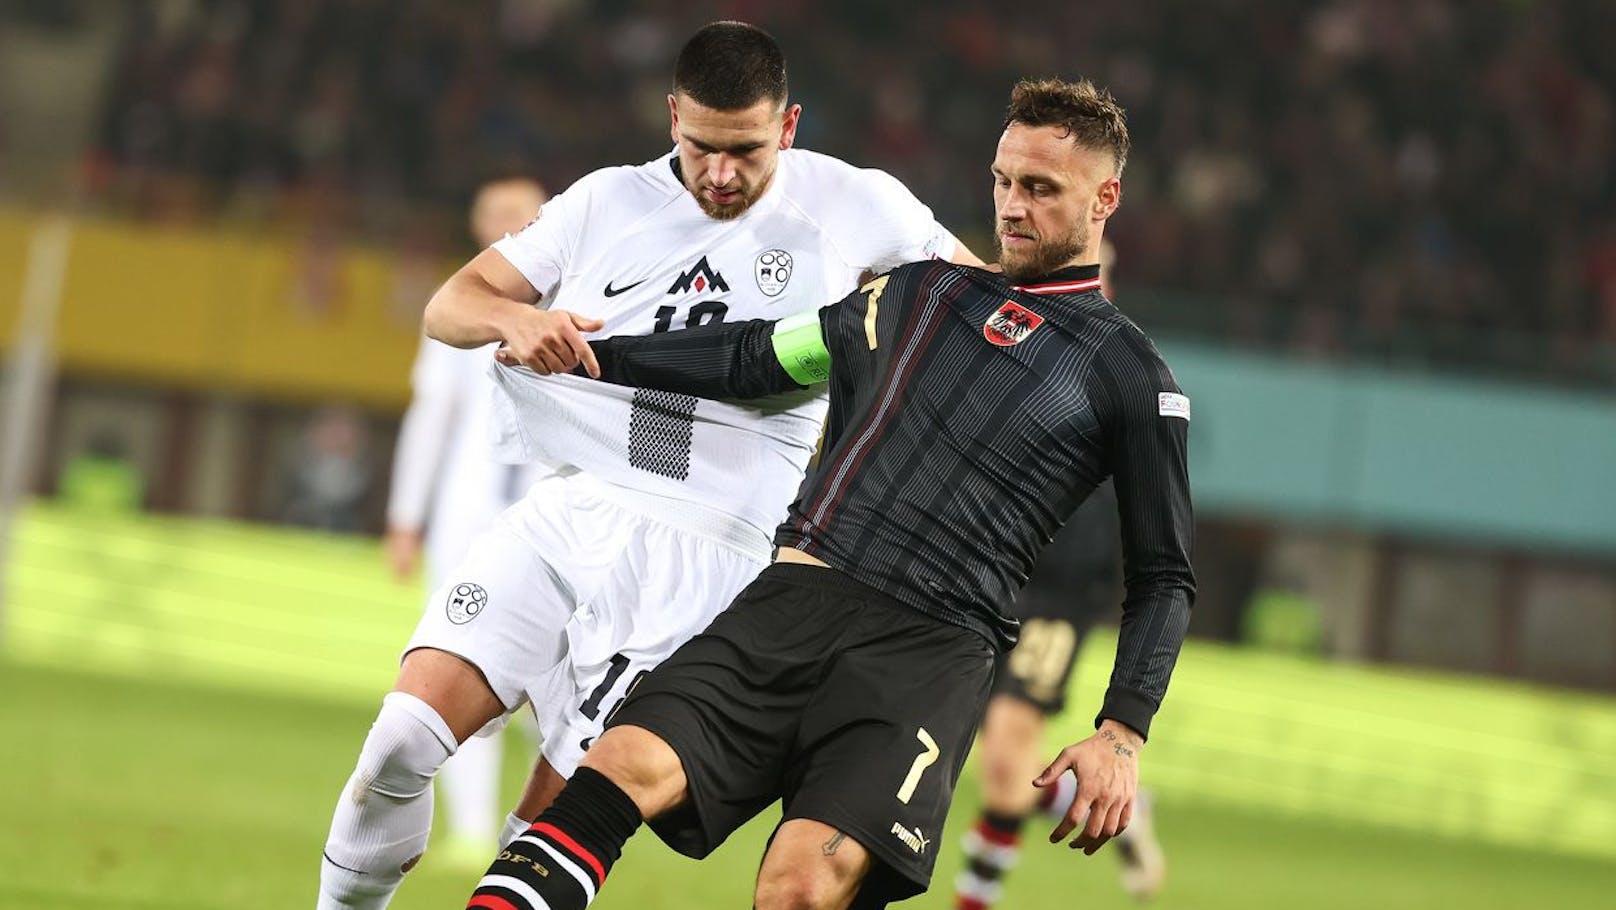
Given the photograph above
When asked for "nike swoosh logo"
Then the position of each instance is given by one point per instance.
(613, 292)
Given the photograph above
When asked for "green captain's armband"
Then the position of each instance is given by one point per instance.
(800, 347)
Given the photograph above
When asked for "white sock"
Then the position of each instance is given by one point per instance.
(515, 826)
(470, 783)
(384, 815)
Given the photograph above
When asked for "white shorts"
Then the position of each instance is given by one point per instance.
(571, 596)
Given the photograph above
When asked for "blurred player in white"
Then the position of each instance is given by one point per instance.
(1077, 581)
(657, 508)
(447, 489)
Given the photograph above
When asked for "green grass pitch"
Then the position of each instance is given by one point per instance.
(128, 795)
(181, 701)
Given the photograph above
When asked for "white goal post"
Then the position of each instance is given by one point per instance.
(30, 372)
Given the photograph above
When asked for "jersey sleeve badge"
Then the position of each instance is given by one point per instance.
(1172, 404)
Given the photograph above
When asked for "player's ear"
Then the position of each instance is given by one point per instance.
(1107, 199)
(788, 126)
(673, 118)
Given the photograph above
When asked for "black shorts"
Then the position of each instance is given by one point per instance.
(850, 707)
(1039, 668)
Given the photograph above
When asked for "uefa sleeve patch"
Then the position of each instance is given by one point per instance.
(1172, 404)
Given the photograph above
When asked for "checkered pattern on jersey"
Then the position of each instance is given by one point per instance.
(659, 432)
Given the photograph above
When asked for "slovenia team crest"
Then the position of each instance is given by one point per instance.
(772, 270)
(464, 602)
(1011, 324)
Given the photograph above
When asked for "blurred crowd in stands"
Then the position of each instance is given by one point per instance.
(1411, 181)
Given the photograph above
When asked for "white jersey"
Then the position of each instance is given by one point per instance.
(630, 246)
(443, 477)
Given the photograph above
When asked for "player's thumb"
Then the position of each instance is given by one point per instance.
(1050, 773)
(587, 323)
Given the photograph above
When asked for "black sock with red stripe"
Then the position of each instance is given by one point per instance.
(561, 861)
(991, 849)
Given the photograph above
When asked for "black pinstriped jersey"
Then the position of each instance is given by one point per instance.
(968, 419)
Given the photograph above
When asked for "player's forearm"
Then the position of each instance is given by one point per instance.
(735, 360)
(1154, 621)
(468, 312)
(422, 439)
(1159, 585)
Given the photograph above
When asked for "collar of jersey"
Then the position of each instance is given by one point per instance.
(1070, 280)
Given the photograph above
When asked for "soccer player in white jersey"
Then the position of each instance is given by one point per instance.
(446, 489)
(656, 508)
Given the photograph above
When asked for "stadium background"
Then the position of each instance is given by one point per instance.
(1376, 239)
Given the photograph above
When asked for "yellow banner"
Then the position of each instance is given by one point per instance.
(275, 317)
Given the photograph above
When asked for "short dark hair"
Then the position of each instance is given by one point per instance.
(728, 66)
(1088, 113)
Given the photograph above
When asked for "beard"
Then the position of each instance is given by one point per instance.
(729, 211)
(1046, 255)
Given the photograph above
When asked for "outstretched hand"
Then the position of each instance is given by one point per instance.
(403, 551)
(1107, 769)
(550, 341)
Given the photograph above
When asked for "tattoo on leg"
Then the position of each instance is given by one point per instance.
(830, 847)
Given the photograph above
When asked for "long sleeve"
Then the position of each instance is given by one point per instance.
(437, 393)
(732, 360)
(1147, 427)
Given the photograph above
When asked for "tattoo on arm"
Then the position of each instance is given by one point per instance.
(830, 847)
(1116, 744)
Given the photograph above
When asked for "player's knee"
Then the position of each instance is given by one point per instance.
(1001, 771)
(806, 886)
(382, 821)
(460, 695)
(642, 764)
(406, 746)
(1010, 755)
(810, 865)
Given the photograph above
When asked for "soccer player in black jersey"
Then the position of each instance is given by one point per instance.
(1074, 586)
(971, 412)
